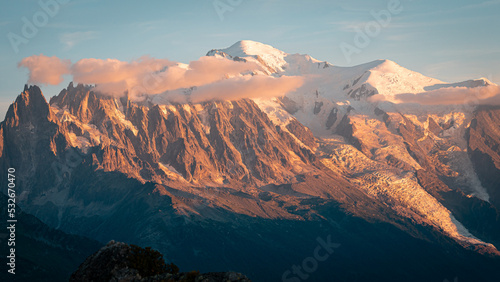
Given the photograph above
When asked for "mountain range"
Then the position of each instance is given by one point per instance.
(399, 171)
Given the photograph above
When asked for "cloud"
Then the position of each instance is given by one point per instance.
(248, 86)
(45, 70)
(259, 86)
(154, 76)
(209, 77)
(484, 95)
(204, 71)
(114, 77)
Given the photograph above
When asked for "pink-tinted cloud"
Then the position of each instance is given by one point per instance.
(115, 78)
(258, 86)
(451, 96)
(45, 70)
(145, 76)
(97, 71)
(484, 95)
(204, 71)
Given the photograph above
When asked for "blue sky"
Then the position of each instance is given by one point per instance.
(449, 40)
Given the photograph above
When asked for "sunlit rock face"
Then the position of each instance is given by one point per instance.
(257, 181)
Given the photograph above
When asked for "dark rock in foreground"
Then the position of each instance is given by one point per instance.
(121, 262)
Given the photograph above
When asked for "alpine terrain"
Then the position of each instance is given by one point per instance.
(357, 175)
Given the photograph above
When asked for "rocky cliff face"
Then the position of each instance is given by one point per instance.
(484, 149)
(219, 179)
(32, 135)
(432, 157)
(212, 142)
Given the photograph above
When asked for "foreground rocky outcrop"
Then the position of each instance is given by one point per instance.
(121, 262)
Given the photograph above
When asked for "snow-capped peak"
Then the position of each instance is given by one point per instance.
(389, 78)
(269, 57)
(245, 48)
(486, 81)
(273, 60)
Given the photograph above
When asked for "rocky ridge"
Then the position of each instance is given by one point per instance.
(327, 158)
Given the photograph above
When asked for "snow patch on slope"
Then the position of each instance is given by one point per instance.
(120, 117)
(280, 117)
(274, 111)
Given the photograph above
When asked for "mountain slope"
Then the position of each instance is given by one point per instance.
(43, 253)
(260, 180)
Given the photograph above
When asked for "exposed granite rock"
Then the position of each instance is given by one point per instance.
(302, 133)
(346, 129)
(317, 107)
(364, 91)
(484, 149)
(434, 127)
(332, 118)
